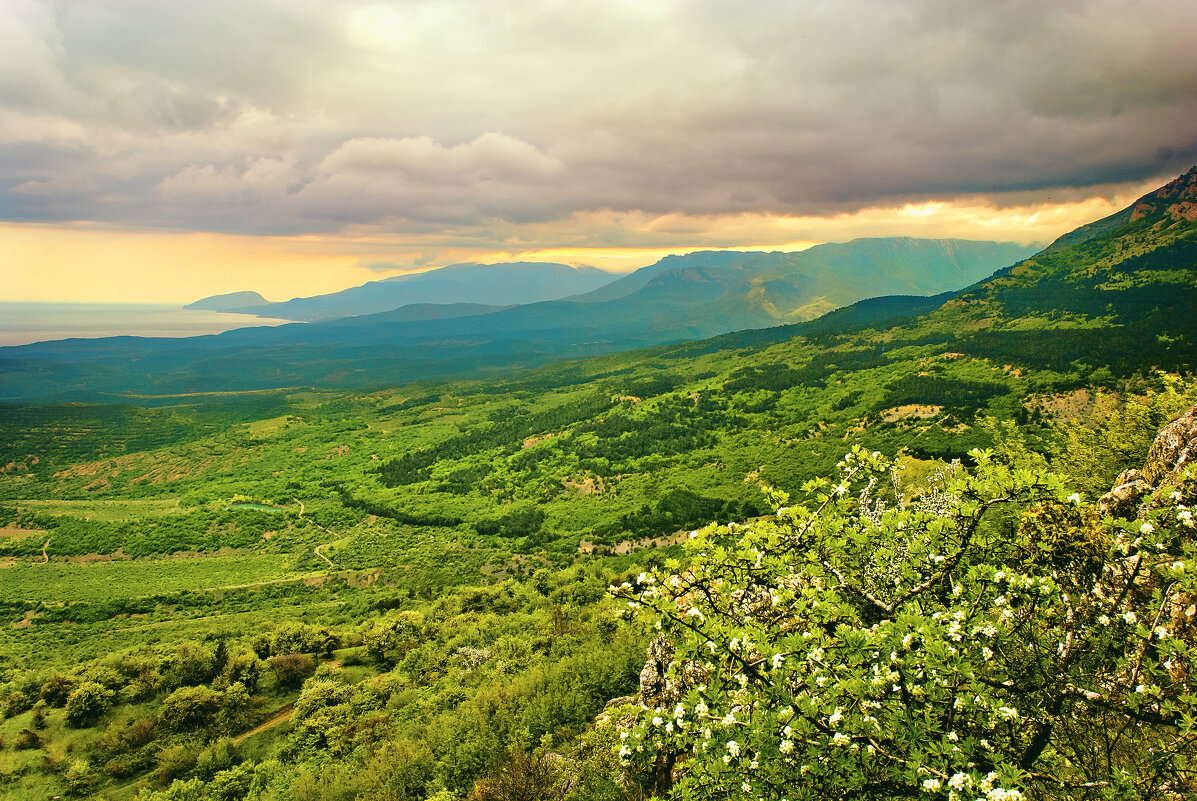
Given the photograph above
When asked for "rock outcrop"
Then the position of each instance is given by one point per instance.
(1173, 450)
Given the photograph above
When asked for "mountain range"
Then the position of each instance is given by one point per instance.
(506, 284)
(679, 298)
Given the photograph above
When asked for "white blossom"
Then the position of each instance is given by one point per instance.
(1007, 713)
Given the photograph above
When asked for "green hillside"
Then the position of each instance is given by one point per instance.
(403, 593)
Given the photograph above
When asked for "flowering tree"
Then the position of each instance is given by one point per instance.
(992, 637)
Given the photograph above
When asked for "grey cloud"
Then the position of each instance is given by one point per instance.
(273, 116)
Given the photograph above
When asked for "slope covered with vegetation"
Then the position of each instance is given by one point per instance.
(403, 593)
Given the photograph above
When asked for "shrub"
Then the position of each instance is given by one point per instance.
(192, 664)
(14, 703)
(524, 777)
(290, 670)
(25, 740)
(174, 762)
(79, 778)
(189, 708)
(86, 703)
(55, 691)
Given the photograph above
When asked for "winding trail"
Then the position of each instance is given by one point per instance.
(45, 556)
(328, 561)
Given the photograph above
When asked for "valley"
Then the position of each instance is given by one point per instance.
(410, 590)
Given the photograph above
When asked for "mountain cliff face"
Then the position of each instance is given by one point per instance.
(1142, 254)
(1170, 204)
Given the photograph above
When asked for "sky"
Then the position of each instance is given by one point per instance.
(162, 150)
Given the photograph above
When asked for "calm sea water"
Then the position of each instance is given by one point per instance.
(22, 323)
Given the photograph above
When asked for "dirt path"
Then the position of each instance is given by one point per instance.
(328, 561)
(45, 556)
(282, 715)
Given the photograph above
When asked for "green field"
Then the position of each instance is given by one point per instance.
(106, 510)
(108, 580)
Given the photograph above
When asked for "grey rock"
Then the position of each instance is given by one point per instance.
(1173, 449)
(1124, 499)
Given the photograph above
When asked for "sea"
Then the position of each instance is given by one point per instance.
(23, 323)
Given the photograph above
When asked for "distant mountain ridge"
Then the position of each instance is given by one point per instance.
(501, 284)
(680, 298)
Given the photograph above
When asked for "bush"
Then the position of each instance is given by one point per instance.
(79, 778)
(290, 670)
(25, 740)
(55, 691)
(303, 639)
(14, 703)
(524, 777)
(189, 708)
(192, 664)
(389, 641)
(220, 755)
(174, 762)
(241, 666)
(86, 703)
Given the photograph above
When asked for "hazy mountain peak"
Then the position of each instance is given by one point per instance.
(228, 301)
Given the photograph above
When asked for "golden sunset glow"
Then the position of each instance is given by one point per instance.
(100, 264)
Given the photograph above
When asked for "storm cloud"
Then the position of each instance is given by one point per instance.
(283, 117)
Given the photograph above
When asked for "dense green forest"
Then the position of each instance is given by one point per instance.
(417, 592)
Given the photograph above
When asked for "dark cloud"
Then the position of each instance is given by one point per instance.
(286, 117)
